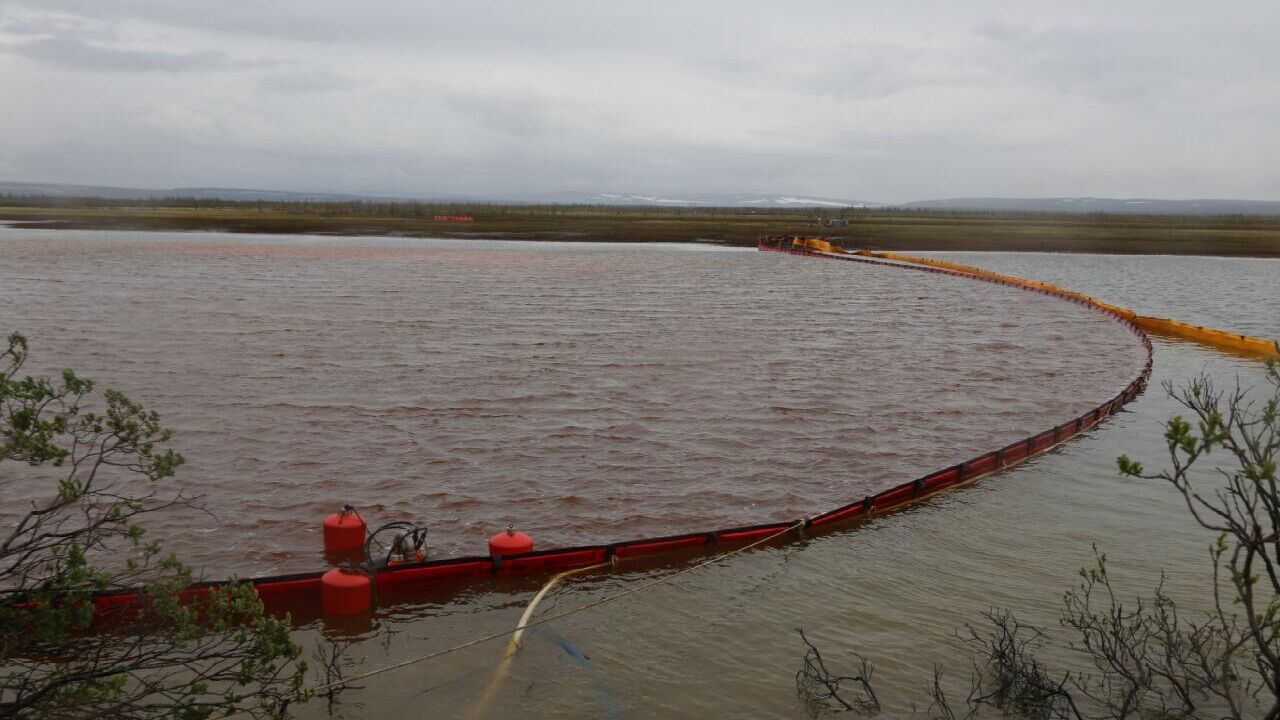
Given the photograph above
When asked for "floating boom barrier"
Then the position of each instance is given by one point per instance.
(345, 592)
(1212, 337)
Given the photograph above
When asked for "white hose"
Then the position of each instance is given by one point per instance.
(513, 646)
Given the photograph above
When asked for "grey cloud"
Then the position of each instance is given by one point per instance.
(1124, 63)
(891, 101)
(867, 70)
(1102, 63)
(75, 54)
(293, 80)
(49, 25)
(398, 21)
(519, 114)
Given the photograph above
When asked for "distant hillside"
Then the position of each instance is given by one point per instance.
(722, 200)
(781, 200)
(121, 193)
(1115, 206)
(1119, 206)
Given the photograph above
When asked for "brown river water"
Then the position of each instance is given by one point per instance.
(593, 392)
(586, 393)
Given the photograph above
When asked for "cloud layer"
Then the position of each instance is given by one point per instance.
(888, 102)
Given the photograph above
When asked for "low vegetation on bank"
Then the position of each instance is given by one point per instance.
(877, 228)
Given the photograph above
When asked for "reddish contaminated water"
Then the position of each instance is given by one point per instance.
(586, 393)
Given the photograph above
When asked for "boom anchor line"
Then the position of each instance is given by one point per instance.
(404, 575)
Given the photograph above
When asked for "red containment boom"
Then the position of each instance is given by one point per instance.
(345, 592)
(344, 531)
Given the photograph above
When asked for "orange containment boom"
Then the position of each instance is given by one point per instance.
(1209, 336)
(1237, 342)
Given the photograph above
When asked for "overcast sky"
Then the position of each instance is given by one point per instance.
(886, 101)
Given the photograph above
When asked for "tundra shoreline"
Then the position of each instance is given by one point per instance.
(909, 230)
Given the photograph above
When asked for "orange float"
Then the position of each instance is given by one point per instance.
(510, 542)
(344, 531)
(345, 592)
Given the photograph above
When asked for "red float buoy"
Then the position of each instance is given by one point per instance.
(345, 592)
(344, 531)
(510, 542)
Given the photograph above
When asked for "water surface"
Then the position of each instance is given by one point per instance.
(586, 393)
(471, 384)
(722, 642)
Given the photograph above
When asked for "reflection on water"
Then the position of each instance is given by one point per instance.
(720, 642)
(587, 393)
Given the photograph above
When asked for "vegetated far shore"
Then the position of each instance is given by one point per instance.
(1232, 235)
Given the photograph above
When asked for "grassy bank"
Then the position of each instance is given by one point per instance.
(896, 229)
